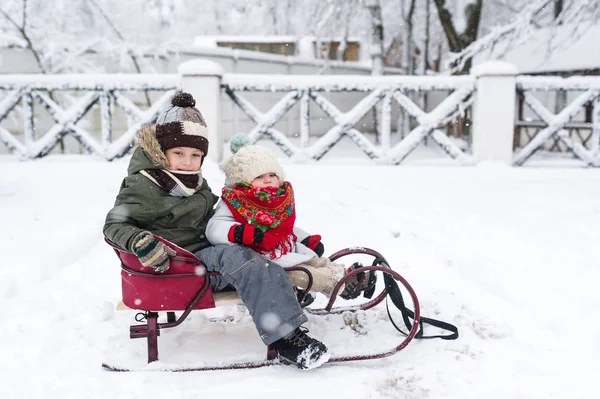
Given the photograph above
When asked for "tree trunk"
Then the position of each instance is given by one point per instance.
(459, 41)
(425, 61)
(558, 7)
(376, 36)
(376, 55)
(561, 95)
(407, 46)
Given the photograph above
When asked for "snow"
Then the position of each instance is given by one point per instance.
(555, 123)
(211, 41)
(281, 82)
(494, 68)
(505, 35)
(7, 41)
(268, 58)
(509, 255)
(85, 81)
(545, 83)
(200, 67)
(553, 50)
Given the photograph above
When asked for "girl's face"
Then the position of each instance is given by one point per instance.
(269, 179)
(186, 159)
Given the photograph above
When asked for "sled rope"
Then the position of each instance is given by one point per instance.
(391, 286)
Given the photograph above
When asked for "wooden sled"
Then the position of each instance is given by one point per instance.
(185, 286)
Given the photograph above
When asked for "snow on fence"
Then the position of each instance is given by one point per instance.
(489, 94)
(381, 92)
(562, 126)
(106, 90)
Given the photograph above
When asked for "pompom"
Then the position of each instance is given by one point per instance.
(237, 142)
(184, 100)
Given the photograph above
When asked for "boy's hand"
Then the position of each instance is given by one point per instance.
(152, 252)
(314, 242)
(245, 234)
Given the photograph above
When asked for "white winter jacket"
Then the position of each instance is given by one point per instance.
(218, 227)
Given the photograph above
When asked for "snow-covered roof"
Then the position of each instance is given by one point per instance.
(549, 50)
(211, 40)
(7, 40)
(304, 46)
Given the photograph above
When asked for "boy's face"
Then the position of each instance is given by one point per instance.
(269, 179)
(184, 158)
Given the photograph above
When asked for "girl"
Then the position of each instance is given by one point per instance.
(257, 209)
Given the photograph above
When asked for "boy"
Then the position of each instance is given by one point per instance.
(164, 194)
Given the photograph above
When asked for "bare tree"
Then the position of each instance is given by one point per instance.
(118, 33)
(459, 41)
(23, 31)
(408, 53)
(558, 7)
(425, 59)
(374, 8)
(576, 15)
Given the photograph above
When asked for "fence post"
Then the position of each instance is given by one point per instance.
(202, 79)
(494, 111)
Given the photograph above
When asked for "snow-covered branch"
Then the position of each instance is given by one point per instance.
(519, 29)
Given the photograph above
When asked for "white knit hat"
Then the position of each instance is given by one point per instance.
(249, 162)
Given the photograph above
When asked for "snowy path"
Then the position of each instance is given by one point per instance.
(509, 255)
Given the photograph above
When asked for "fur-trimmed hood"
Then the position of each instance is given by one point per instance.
(148, 155)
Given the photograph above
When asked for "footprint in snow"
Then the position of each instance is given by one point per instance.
(402, 386)
(488, 329)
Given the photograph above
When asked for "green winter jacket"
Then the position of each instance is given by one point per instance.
(143, 205)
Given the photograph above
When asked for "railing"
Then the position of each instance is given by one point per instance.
(380, 92)
(553, 130)
(526, 130)
(486, 99)
(106, 90)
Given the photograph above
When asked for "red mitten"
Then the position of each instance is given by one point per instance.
(245, 234)
(314, 242)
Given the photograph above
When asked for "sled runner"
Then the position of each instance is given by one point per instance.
(185, 287)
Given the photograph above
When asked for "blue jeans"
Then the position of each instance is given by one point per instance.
(262, 285)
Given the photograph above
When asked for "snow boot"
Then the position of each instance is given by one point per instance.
(298, 349)
(304, 298)
(360, 282)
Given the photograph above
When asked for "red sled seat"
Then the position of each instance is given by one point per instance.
(185, 286)
(145, 289)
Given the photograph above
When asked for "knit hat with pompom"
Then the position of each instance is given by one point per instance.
(182, 125)
(249, 162)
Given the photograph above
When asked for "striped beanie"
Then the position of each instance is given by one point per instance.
(182, 125)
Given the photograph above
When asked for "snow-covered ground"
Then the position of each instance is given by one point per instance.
(507, 254)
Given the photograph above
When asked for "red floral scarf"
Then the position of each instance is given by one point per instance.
(270, 209)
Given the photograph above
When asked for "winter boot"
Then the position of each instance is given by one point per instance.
(304, 298)
(299, 349)
(361, 281)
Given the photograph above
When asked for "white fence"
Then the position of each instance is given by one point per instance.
(302, 114)
(579, 112)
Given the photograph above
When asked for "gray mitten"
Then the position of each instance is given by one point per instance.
(152, 252)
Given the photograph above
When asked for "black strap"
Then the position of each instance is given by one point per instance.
(395, 295)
